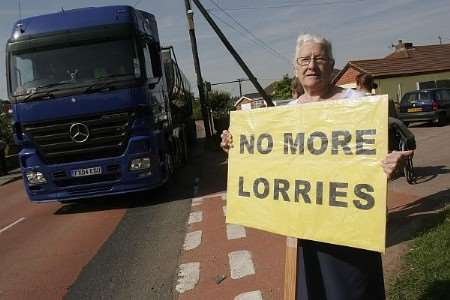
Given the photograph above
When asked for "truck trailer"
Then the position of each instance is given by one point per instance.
(99, 107)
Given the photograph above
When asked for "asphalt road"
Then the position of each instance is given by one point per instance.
(123, 247)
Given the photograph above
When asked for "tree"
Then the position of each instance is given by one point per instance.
(5, 123)
(282, 88)
(220, 103)
(196, 110)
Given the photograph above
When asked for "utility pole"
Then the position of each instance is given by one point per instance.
(239, 80)
(233, 52)
(200, 83)
(240, 85)
(440, 40)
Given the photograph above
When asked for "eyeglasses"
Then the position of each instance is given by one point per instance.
(306, 60)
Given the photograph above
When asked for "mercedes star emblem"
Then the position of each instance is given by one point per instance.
(79, 133)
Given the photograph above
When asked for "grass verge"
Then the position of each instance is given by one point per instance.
(426, 273)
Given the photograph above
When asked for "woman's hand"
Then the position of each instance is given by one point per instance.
(227, 141)
(394, 160)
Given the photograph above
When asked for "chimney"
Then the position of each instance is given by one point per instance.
(403, 46)
(399, 45)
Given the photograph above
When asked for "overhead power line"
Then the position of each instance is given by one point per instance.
(255, 38)
(296, 4)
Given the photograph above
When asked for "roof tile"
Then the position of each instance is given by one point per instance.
(419, 59)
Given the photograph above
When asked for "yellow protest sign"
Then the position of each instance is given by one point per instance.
(312, 171)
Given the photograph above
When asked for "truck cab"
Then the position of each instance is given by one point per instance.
(92, 108)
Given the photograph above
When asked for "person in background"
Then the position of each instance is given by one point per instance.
(326, 271)
(296, 88)
(365, 84)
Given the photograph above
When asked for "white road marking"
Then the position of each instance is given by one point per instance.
(12, 224)
(195, 217)
(254, 295)
(224, 211)
(222, 195)
(197, 201)
(192, 240)
(241, 264)
(235, 232)
(188, 276)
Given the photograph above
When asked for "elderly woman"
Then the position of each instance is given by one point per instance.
(328, 271)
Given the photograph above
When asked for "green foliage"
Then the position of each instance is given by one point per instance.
(282, 88)
(427, 270)
(197, 110)
(5, 126)
(220, 103)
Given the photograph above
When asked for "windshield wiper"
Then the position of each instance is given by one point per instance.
(101, 85)
(53, 84)
(40, 94)
(42, 90)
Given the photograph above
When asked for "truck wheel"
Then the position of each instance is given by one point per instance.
(441, 120)
(168, 162)
(185, 148)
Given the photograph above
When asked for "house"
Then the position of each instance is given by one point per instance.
(408, 68)
(246, 103)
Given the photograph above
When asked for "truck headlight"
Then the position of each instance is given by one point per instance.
(35, 178)
(142, 163)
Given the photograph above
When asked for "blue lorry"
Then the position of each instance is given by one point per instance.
(99, 107)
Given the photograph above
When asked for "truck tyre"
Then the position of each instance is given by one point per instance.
(168, 161)
(185, 147)
(442, 118)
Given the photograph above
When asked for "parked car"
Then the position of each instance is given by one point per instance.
(427, 105)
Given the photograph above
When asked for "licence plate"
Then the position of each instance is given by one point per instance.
(415, 109)
(86, 172)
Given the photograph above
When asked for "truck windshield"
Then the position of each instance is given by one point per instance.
(68, 65)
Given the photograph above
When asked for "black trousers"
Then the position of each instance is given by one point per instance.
(332, 272)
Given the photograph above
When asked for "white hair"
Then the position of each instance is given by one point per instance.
(303, 38)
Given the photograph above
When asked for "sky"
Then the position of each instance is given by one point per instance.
(264, 32)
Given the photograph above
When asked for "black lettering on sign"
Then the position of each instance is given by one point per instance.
(259, 144)
(250, 145)
(242, 193)
(299, 143)
(341, 138)
(361, 191)
(281, 186)
(323, 143)
(319, 192)
(334, 193)
(302, 187)
(361, 141)
(266, 189)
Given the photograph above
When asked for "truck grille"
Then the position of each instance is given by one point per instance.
(108, 137)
